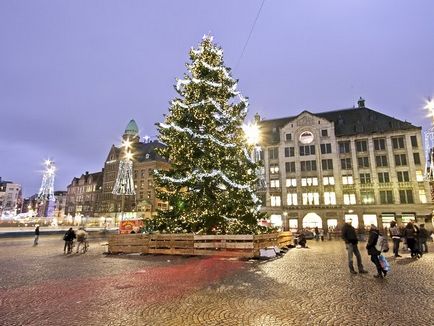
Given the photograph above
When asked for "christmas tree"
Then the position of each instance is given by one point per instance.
(210, 186)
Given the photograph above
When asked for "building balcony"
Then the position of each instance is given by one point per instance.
(383, 185)
(405, 184)
(349, 187)
(366, 185)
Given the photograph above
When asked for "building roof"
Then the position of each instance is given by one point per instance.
(146, 151)
(132, 128)
(347, 122)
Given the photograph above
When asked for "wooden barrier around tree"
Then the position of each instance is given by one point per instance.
(192, 244)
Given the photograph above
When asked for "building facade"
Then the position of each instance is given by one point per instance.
(82, 194)
(10, 199)
(359, 164)
(144, 203)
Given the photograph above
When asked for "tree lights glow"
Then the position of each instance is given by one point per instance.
(210, 187)
(429, 142)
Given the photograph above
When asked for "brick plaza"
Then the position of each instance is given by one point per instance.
(41, 286)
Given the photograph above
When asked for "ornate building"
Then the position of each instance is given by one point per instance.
(10, 199)
(359, 164)
(144, 203)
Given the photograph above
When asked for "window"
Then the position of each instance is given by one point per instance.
(419, 176)
(288, 137)
(324, 133)
(328, 181)
(310, 198)
(406, 196)
(367, 197)
(289, 151)
(380, 144)
(275, 183)
(381, 160)
(422, 196)
(398, 142)
(327, 164)
(365, 178)
(363, 162)
(386, 197)
(347, 180)
(307, 150)
(400, 159)
(326, 148)
(403, 176)
(309, 182)
(329, 198)
(275, 201)
(344, 147)
(291, 199)
(308, 165)
(361, 146)
(413, 141)
(416, 158)
(289, 167)
(349, 199)
(292, 182)
(274, 168)
(346, 163)
(383, 177)
(273, 153)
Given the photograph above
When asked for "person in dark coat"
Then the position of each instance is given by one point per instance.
(349, 235)
(423, 238)
(69, 239)
(411, 237)
(373, 252)
(35, 243)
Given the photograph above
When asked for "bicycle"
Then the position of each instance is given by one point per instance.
(83, 246)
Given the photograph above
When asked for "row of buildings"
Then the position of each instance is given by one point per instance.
(11, 199)
(320, 170)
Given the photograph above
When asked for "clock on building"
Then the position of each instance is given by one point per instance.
(306, 137)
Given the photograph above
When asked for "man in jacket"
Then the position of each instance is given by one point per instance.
(350, 237)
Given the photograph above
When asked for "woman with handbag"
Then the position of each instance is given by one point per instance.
(373, 252)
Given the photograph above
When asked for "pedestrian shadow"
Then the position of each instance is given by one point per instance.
(405, 261)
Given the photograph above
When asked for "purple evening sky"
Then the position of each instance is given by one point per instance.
(73, 73)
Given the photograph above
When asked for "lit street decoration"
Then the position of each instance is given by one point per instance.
(124, 184)
(429, 143)
(46, 191)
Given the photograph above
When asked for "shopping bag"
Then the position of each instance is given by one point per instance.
(384, 263)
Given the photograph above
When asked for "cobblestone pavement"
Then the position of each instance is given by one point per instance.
(41, 286)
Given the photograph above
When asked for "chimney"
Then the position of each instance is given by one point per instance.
(361, 103)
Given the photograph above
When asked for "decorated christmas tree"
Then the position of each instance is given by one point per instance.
(210, 186)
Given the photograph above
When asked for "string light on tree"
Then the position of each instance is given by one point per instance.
(46, 191)
(209, 188)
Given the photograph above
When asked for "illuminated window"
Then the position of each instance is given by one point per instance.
(349, 199)
(422, 196)
(310, 198)
(329, 198)
(274, 168)
(292, 182)
(291, 199)
(367, 197)
(419, 176)
(309, 182)
(275, 183)
(275, 201)
(347, 180)
(328, 181)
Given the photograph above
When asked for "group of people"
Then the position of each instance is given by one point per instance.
(70, 235)
(414, 236)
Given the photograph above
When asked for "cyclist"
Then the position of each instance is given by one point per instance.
(81, 238)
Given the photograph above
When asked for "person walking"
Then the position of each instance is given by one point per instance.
(81, 238)
(423, 238)
(350, 237)
(410, 234)
(35, 243)
(373, 252)
(316, 233)
(69, 238)
(396, 238)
